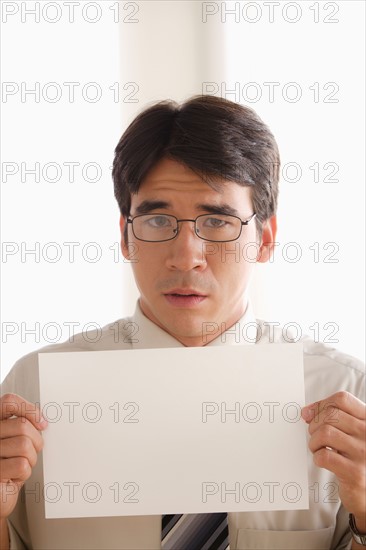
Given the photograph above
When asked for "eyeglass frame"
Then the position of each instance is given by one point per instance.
(246, 222)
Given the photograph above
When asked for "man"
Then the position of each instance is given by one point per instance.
(189, 180)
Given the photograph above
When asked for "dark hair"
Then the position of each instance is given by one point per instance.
(214, 137)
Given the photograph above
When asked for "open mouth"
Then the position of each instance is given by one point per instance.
(184, 299)
(177, 294)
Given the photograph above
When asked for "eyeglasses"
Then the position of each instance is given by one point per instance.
(156, 228)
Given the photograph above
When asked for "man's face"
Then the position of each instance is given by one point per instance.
(187, 282)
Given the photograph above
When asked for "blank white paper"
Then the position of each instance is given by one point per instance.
(177, 430)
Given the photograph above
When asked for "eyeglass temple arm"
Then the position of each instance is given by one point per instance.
(249, 220)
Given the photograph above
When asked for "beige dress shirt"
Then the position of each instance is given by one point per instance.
(323, 526)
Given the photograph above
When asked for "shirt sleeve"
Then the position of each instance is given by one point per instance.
(17, 382)
(342, 538)
(15, 540)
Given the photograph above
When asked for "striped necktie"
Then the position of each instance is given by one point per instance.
(195, 532)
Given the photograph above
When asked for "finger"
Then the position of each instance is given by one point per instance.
(17, 447)
(330, 436)
(341, 420)
(14, 427)
(9, 488)
(340, 465)
(342, 400)
(17, 469)
(14, 405)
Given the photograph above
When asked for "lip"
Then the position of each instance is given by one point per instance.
(184, 297)
(185, 292)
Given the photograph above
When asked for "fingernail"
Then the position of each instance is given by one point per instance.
(307, 413)
(43, 422)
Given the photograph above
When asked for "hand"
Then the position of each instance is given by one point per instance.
(20, 442)
(337, 427)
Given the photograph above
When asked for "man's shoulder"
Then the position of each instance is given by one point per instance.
(110, 336)
(115, 335)
(326, 368)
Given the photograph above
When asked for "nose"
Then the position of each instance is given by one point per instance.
(186, 251)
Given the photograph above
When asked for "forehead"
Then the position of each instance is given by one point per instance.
(167, 170)
(173, 180)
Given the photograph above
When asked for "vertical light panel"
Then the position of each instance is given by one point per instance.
(169, 50)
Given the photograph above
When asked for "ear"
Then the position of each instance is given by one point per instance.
(269, 231)
(124, 243)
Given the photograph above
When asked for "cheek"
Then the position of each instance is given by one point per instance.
(131, 252)
(144, 277)
(235, 255)
(145, 259)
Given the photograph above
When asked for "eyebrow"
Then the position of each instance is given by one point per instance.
(148, 205)
(218, 209)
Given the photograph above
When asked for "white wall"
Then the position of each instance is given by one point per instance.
(35, 129)
(313, 54)
(171, 49)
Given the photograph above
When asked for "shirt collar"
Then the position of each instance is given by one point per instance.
(149, 335)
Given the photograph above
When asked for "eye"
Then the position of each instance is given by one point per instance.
(215, 223)
(157, 222)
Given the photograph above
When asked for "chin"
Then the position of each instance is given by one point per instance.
(184, 328)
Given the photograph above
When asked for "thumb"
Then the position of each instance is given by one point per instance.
(309, 411)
